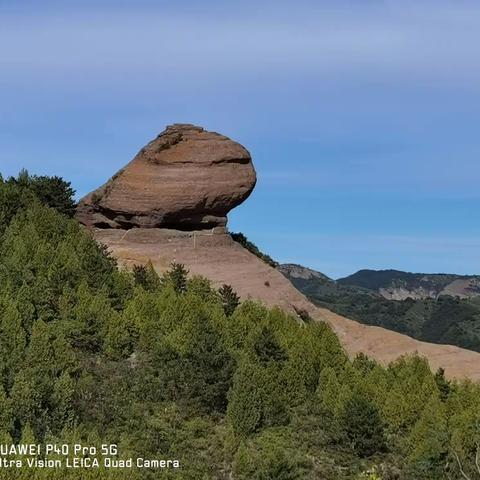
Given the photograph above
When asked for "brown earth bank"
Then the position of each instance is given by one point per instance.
(213, 254)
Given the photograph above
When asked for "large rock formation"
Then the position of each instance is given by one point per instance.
(186, 179)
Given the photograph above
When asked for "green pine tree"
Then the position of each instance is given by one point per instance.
(267, 348)
(230, 299)
(429, 439)
(363, 425)
(443, 385)
(245, 402)
(12, 342)
(176, 277)
(146, 276)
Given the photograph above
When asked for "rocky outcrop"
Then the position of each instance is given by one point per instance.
(187, 179)
(292, 270)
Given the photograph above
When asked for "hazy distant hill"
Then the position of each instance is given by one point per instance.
(397, 285)
(441, 317)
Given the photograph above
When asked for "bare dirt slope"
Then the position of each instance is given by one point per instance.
(217, 257)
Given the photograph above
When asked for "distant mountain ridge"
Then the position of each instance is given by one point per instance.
(438, 308)
(398, 285)
(393, 284)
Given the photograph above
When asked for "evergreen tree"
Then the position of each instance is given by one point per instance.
(270, 456)
(146, 276)
(120, 336)
(191, 366)
(363, 425)
(429, 440)
(239, 332)
(363, 364)
(13, 199)
(330, 352)
(140, 275)
(329, 390)
(276, 402)
(12, 342)
(411, 385)
(62, 408)
(257, 399)
(463, 407)
(230, 299)
(443, 384)
(267, 349)
(202, 288)
(245, 402)
(54, 192)
(28, 401)
(6, 413)
(176, 277)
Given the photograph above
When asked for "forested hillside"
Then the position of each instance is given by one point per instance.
(169, 367)
(446, 320)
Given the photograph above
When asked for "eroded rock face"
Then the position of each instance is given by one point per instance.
(186, 179)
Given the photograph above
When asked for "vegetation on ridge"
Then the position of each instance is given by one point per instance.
(21, 191)
(168, 367)
(446, 320)
(252, 248)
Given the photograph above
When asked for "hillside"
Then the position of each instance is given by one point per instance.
(444, 319)
(184, 354)
(169, 367)
(397, 285)
(170, 220)
(217, 257)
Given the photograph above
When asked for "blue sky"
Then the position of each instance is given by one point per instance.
(363, 117)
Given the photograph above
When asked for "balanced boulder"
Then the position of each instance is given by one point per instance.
(185, 179)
